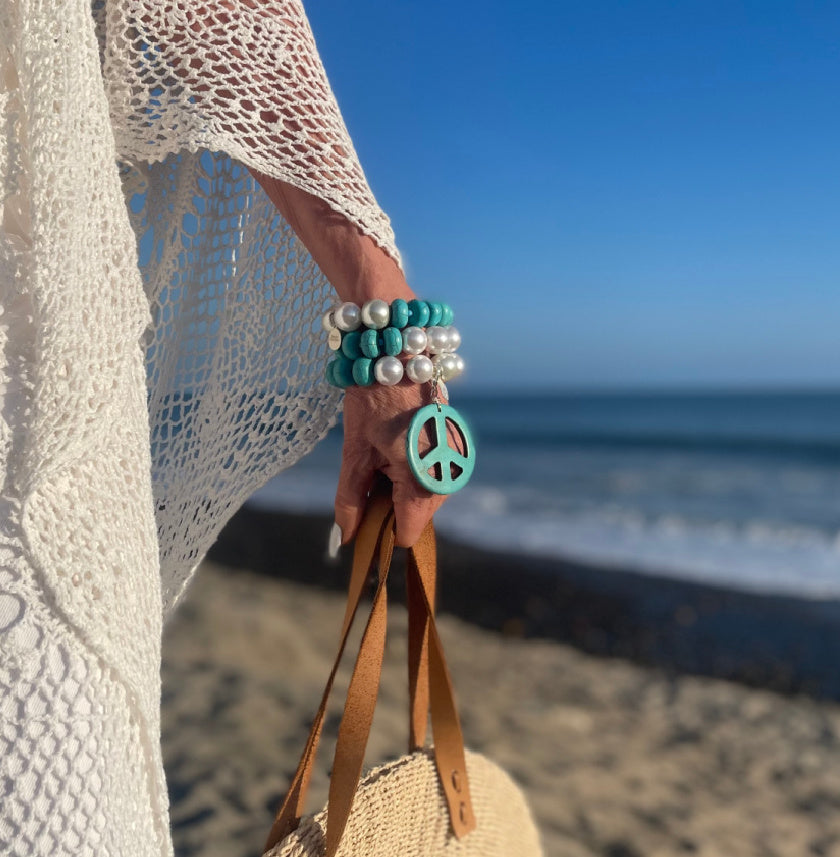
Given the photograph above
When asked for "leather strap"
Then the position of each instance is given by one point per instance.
(432, 687)
(446, 725)
(368, 537)
(418, 651)
(358, 709)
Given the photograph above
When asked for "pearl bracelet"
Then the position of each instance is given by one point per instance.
(403, 328)
(370, 341)
(378, 314)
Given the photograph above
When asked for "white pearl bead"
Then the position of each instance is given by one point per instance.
(459, 366)
(376, 314)
(328, 320)
(414, 340)
(388, 371)
(420, 369)
(438, 339)
(454, 339)
(348, 316)
(445, 365)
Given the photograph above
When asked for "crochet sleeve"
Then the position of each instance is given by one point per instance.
(202, 95)
(238, 76)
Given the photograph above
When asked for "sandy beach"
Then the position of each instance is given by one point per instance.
(608, 697)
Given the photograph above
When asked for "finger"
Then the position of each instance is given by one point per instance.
(354, 483)
(414, 507)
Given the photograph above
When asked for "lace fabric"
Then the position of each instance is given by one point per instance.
(235, 354)
(141, 404)
(234, 357)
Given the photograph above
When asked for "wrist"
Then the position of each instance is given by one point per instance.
(372, 274)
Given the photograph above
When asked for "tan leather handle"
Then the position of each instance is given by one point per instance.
(354, 730)
(368, 539)
(377, 532)
(446, 725)
(418, 655)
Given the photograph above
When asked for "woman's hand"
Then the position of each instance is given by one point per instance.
(376, 420)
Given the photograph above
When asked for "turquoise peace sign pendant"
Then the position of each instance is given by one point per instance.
(442, 469)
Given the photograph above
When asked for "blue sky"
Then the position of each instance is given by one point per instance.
(609, 193)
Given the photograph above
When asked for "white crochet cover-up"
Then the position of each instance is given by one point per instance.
(140, 404)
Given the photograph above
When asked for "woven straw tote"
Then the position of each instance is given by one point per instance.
(431, 802)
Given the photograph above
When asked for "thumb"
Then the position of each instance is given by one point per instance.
(354, 483)
(414, 507)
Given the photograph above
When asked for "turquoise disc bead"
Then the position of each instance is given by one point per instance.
(363, 371)
(435, 313)
(392, 342)
(447, 316)
(329, 373)
(399, 314)
(441, 469)
(371, 343)
(343, 372)
(418, 313)
(350, 344)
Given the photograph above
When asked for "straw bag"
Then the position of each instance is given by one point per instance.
(442, 801)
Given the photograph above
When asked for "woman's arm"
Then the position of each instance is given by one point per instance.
(376, 418)
(358, 269)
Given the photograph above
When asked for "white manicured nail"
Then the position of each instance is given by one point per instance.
(334, 542)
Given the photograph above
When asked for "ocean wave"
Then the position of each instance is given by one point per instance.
(816, 450)
(758, 555)
(755, 554)
(742, 492)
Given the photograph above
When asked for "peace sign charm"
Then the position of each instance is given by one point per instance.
(442, 469)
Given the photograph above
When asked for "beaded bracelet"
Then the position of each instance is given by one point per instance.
(378, 314)
(370, 354)
(369, 341)
(371, 358)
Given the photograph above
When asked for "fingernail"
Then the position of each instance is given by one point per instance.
(334, 542)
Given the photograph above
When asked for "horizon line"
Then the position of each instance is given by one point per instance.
(688, 388)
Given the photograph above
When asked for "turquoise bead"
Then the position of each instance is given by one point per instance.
(447, 316)
(343, 372)
(392, 342)
(350, 344)
(363, 371)
(418, 313)
(435, 313)
(329, 373)
(399, 314)
(371, 343)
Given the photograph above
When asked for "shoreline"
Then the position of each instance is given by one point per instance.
(780, 643)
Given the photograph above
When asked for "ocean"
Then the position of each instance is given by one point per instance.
(740, 489)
